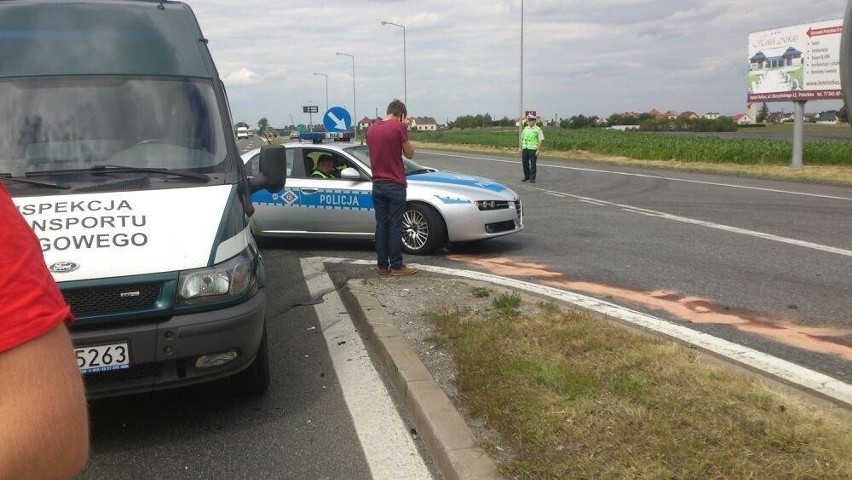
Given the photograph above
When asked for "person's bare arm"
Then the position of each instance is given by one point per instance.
(44, 430)
(408, 149)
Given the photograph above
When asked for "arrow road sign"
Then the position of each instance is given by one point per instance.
(337, 119)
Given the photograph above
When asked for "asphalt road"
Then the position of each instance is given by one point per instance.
(765, 264)
(299, 429)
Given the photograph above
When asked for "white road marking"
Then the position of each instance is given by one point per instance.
(717, 226)
(787, 371)
(384, 438)
(645, 175)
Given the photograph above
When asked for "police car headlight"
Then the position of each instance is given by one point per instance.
(221, 282)
(491, 204)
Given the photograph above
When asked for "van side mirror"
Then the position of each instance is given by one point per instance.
(273, 169)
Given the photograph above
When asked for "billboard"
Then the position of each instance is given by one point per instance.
(796, 63)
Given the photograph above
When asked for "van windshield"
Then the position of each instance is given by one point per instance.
(77, 122)
(57, 37)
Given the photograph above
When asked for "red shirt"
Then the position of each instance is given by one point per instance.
(30, 302)
(385, 139)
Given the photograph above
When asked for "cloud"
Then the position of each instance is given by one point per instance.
(243, 76)
(460, 58)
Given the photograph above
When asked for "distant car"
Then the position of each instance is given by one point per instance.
(294, 134)
(442, 207)
(242, 132)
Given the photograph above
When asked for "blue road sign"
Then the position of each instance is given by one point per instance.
(337, 119)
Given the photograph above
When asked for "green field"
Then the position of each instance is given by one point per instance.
(747, 147)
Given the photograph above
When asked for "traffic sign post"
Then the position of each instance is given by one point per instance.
(310, 110)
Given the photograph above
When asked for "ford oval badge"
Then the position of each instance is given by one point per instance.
(63, 267)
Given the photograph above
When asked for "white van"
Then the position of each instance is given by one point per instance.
(242, 132)
(116, 145)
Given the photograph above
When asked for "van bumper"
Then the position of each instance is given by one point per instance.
(163, 355)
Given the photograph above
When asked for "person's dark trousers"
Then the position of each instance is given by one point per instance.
(389, 204)
(528, 159)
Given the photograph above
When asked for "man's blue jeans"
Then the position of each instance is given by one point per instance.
(389, 203)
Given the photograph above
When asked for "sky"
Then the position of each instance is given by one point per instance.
(464, 57)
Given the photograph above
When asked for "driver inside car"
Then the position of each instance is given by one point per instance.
(325, 165)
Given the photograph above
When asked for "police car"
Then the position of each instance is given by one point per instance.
(442, 207)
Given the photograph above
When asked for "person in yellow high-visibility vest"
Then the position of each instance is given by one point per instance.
(531, 138)
(325, 164)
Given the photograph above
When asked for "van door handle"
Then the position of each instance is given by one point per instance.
(310, 190)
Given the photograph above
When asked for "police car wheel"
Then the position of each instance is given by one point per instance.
(422, 230)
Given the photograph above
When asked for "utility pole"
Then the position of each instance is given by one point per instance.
(354, 101)
(404, 63)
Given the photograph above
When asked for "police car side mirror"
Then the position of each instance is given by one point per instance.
(273, 169)
(350, 174)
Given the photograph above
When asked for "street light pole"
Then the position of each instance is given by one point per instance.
(521, 95)
(326, 88)
(404, 62)
(354, 101)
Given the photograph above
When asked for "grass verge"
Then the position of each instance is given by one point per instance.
(573, 396)
(824, 162)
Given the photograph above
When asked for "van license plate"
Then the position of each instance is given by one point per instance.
(103, 358)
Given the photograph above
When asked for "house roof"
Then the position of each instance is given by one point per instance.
(830, 116)
(424, 121)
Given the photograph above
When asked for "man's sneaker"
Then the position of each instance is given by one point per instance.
(403, 270)
(382, 271)
(525, 179)
(532, 180)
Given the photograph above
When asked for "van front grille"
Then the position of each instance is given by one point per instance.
(112, 299)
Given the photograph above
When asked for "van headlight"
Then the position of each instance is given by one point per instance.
(219, 283)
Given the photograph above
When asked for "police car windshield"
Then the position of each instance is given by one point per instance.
(362, 153)
(77, 122)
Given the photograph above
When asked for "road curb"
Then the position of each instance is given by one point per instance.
(444, 431)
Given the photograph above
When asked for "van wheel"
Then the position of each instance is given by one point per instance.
(254, 380)
(422, 230)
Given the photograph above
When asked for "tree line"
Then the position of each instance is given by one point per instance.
(644, 121)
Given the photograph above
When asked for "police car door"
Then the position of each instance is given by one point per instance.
(341, 207)
(278, 213)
